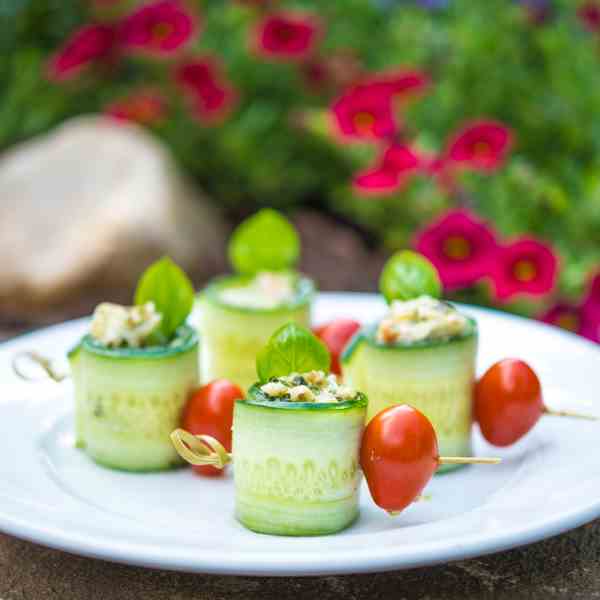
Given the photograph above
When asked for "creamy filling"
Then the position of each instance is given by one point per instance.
(314, 386)
(423, 318)
(114, 325)
(265, 290)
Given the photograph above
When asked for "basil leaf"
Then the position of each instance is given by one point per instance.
(292, 349)
(408, 275)
(266, 241)
(165, 284)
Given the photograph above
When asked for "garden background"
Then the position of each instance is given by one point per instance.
(469, 130)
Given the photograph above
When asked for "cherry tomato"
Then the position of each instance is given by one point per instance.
(508, 401)
(209, 411)
(336, 335)
(398, 455)
(318, 329)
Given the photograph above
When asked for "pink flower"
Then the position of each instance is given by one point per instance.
(461, 246)
(400, 84)
(526, 266)
(211, 95)
(591, 302)
(391, 172)
(589, 15)
(144, 107)
(564, 315)
(574, 318)
(286, 36)
(364, 112)
(160, 27)
(88, 44)
(482, 146)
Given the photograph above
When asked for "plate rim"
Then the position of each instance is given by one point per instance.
(269, 563)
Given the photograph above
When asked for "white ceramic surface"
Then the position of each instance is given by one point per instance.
(53, 494)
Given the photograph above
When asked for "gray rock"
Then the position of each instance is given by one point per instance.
(87, 207)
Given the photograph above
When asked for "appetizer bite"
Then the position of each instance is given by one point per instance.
(239, 312)
(133, 372)
(422, 353)
(399, 454)
(296, 442)
(509, 402)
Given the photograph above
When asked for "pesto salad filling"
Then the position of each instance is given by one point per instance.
(265, 290)
(114, 325)
(423, 318)
(313, 386)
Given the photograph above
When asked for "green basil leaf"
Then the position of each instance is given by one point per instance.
(408, 275)
(292, 349)
(266, 241)
(165, 284)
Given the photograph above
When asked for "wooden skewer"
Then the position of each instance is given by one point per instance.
(570, 413)
(200, 449)
(468, 460)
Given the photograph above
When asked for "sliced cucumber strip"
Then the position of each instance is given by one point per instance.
(297, 464)
(127, 400)
(436, 377)
(232, 336)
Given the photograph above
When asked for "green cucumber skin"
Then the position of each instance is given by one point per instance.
(231, 339)
(127, 407)
(438, 381)
(297, 471)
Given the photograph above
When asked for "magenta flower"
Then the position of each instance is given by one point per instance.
(159, 28)
(400, 84)
(87, 45)
(145, 107)
(526, 266)
(376, 182)
(212, 97)
(575, 319)
(364, 112)
(564, 315)
(286, 36)
(461, 246)
(395, 167)
(591, 302)
(589, 15)
(481, 146)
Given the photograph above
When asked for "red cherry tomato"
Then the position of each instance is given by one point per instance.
(398, 455)
(209, 411)
(508, 401)
(336, 335)
(318, 329)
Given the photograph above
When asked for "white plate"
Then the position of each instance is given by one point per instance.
(53, 494)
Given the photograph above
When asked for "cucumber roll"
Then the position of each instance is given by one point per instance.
(435, 376)
(296, 457)
(128, 400)
(133, 372)
(238, 313)
(296, 441)
(422, 353)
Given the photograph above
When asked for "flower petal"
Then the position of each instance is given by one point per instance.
(461, 246)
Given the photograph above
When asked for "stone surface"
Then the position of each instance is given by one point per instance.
(566, 567)
(88, 206)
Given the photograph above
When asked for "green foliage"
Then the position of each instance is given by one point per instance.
(485, 60)
(408, 275)
(165, 284)
(266, 241)
(292, 349)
